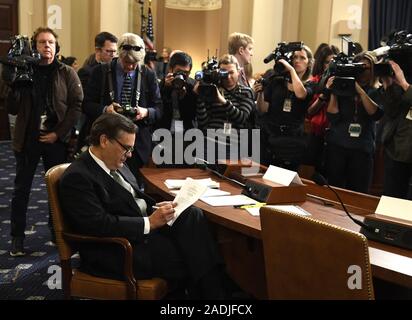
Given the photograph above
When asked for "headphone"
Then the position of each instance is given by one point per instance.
(34, 41)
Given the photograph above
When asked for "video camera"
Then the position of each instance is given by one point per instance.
(283, 51)
(21, 57)
(344, 70)
(398, 47)
(210, 78)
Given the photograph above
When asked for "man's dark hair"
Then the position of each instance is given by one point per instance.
(180, 59)
(111, 125)
(102, 37)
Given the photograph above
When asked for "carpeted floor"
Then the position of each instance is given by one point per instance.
(26, 278)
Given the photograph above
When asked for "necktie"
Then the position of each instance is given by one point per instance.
(126, 97)
(243, 77)
(120, 180)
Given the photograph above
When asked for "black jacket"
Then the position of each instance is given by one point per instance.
(97, 97)
(94, 204)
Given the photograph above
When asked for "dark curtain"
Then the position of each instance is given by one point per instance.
(386, 16)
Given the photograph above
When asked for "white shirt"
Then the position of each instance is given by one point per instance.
(107, 170)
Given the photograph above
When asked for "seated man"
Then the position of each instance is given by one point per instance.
(100, 197)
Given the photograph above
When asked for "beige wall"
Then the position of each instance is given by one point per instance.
(266, 30)
(114, 16)
(347, 10)
(80, 34)
(194, 32)
(267, 21)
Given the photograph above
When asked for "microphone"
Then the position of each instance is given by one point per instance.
(269, 58)
(321, 181)
(205, 166)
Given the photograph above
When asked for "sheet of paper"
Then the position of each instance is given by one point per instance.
(209, 193)
(282, 176)
(395, 208)
(225, 201)
(190, 192)
(178, 183)
(285, 208)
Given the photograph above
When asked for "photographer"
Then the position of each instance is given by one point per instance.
(179, 100)
(47, 109)
(284, 104)
(317, 110)
(397, 134)
(232, 107)
(126, 86)
(351, 138)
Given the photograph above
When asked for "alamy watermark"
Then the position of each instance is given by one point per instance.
(355, 280)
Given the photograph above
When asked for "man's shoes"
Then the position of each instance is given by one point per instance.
(17, 248)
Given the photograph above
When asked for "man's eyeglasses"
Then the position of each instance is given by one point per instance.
(127, 149)
(129, 47)
(111, 52)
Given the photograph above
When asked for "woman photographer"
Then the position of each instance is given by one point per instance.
(284, 104)
(317, 110)
(230, 111)
(351, 138)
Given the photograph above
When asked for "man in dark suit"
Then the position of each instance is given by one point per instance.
(105, 45)
(110, 91)
(100, 197)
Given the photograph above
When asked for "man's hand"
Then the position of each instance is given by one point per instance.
(113, 107)
(163, 215)
(48, 138)
(141, 114)
(169, 79)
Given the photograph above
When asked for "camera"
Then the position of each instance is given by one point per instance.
(283, 51)
(344, 70)
(399, 49)
(179, 80)
(22, 58)
(210, 78)
(128, 111)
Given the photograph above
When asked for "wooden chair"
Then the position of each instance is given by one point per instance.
(82, 285)
(309, 259)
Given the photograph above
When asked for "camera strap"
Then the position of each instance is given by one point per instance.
(139, 83)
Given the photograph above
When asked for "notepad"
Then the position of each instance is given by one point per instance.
(178, 183)
(209, 193)
(286, 208)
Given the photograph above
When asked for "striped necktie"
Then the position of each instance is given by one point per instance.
(120, 180)
(126, 97)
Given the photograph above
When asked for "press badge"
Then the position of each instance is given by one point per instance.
(227, 128)
(355, 130)
(409, 115)
(287, 105)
